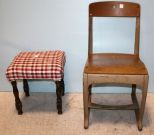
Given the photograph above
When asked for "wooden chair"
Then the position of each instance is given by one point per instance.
(115, 68)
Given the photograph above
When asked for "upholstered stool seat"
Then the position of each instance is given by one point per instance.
(48, 65)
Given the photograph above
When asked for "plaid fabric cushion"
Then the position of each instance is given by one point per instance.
(37, 65)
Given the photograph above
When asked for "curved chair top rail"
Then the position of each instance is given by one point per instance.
(114, 9)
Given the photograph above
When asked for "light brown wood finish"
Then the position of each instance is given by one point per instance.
(114, 68)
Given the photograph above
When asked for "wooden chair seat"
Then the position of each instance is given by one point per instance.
(125, 64)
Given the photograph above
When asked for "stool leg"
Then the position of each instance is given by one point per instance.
(59, 96)
(63, 87)
(18, 103)
(26, 87)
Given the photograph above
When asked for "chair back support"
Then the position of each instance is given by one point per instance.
(114, 9)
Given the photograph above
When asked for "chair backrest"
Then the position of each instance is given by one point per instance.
(114, 9)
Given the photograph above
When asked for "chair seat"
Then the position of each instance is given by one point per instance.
(37, 65)
(111, 63)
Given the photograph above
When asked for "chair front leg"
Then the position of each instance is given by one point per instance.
(18, 103)
(59, 90)
(143, 101)
(86, 97)
(26, 87)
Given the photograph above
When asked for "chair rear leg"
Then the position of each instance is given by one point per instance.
(85, 100)
(26, 87)
(90, 93)
(134, 99)
(143, 101)
(18, 103)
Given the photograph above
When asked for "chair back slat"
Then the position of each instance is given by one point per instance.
(119, 9)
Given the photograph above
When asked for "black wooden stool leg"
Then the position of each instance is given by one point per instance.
(59, 96)
(26, 87)
(63, 87)
(18, 103)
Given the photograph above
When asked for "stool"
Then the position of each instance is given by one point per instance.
(48, 65)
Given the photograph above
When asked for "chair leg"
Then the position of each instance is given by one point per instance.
(18, 103)
(26, 87)
(85, 100)
(143, 101)
(134, 99)
(59, 89)
(90, 93)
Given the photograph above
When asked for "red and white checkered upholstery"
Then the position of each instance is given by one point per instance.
(37, 65)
